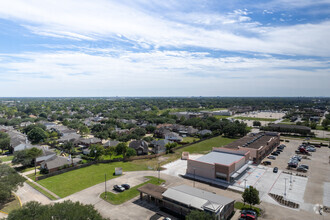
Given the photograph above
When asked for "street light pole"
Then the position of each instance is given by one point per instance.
(194, 176)
(105, 185)
(285, 187)
(244, 183)
(158, 173)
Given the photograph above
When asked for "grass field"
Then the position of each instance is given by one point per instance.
(256, 119)
(11, 205)
(40, 190)
(190, 139)
(122, 197)
(74, 181)
(6, 158)
(221, 116)
(207, 145)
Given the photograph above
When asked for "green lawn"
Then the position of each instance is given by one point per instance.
(240, 205)
(74, 181)
(189, 139)
(6, 158)
(12, 204)
(221, 116)
(107, 157)
(255, 119)
(207, 145)
(25, 169)
(41, 190)
(122, 197)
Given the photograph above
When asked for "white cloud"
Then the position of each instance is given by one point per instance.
(100, 19)
(128, 73)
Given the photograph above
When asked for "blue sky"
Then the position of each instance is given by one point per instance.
(164, 48)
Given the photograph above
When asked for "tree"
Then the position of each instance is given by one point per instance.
(22, 157)
(251, 196)
(34, 153)
(83, 130)
(313, 125)
(130, 152)
(110, 151)
(121, 148)
(63, 210)
(256, 123)
(37, 135)
(4, 143)
(9, 181)
(96, 151)
(150, 128)
(326, 123)
(199, 215)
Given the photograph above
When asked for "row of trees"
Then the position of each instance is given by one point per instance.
(4, 141)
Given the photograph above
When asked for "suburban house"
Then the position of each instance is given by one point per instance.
(172, 136)
(73, 137)
(55, 163)
(182, 199)
(46, 154)
(23, 146)
(220, 165)
(90, 141)
(140, 146)
(159, 146)
(205, 132)
(111, 143)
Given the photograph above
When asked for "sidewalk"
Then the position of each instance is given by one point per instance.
(50, 192)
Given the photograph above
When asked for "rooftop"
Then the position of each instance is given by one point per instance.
(197, 198)
(252, 141)
(220, 158)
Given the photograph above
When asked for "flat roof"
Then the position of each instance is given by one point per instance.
(197, 198)
(256, 141)
(220, 157)
(153, 190)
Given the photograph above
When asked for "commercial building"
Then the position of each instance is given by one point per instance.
(220, 164)
(259, 144)
(182, 199)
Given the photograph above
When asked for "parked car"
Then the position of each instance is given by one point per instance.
(267, 163)
(274, 153)
(302, 169)
(275, 170)
(126, 186)
(317, 145)
(118, 188)
(311, 149)
(271, 157)
(280, 150)
(248, 214)
(304, 166)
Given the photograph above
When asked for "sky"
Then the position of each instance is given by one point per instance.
(104, 48)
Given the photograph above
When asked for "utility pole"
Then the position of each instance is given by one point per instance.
(105, 185)
(194, 176)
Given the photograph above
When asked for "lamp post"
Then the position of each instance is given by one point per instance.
(194, 176)
(105, 185)
(245, 183)
(285, 187)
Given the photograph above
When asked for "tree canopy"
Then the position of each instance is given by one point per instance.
(9, 181)
(251, 196)
(58, 211)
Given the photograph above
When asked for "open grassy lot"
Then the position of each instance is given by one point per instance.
(40, 190)
(6, 158)
(74, 181)
(12, 204)
(207, 145)
(190, 139)
(255, 119)
(122, 197)
(201, 147)
(221, 116)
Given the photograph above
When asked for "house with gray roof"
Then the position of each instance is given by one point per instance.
(57, 162)
(111, 143)
(140, 146)
(159, 146)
